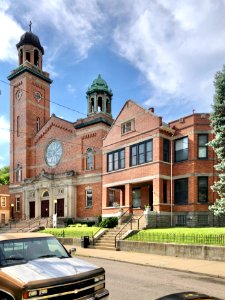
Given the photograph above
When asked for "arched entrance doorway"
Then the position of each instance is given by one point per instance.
(45, 205)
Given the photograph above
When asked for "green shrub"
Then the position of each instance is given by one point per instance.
(110, 222)
(99, 220)
(69, 221)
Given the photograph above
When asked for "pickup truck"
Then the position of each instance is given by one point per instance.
(36, 266)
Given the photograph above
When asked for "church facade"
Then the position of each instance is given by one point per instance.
(56, 165)
(97, 166)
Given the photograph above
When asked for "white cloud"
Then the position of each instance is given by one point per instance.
(9, 32)
(177, 46)
(4, 130)
(70, 89)
(75, 23)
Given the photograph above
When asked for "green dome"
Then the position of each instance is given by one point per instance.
(99, 85)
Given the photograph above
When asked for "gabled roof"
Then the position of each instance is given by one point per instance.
(54, 121)
(127, 104)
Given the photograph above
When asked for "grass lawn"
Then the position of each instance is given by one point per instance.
(73, 232)
(206, 236)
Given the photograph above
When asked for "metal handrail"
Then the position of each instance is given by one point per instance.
(124, 213)
(126, 224)
(33, 222)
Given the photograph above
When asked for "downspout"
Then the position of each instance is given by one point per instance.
(171, 183)
(171, 179)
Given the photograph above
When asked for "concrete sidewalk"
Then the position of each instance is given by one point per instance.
(204, 267)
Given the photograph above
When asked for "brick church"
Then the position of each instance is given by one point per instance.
(95, 165)
(54, 162)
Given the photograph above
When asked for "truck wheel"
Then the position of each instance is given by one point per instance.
(4, 296)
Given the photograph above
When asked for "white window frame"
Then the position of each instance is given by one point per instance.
(17, 206)
(127, 126)
(89, 193)
(3, 201)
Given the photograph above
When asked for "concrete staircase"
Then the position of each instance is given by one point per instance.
(107, 241)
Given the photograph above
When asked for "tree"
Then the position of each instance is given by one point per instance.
(217, 119)
(4, 175)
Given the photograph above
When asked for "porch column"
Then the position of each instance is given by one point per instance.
(104, 197)
(157, 191)
(128, 195)
(122, 197)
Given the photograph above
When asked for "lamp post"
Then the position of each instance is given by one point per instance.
(12, 208)
(55, 214)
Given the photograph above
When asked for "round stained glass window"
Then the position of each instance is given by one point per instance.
(53, 153)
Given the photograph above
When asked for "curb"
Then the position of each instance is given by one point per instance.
(154, 266)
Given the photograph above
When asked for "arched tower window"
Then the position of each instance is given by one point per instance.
(18, 173)
(108, 106)
(21, 56)
(99, 103)
(28, 56)
(90, 159)
(18, 125)
(36, 58)
(92, 104)
(38, 124)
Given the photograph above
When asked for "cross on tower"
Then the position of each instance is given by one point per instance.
(30, 25)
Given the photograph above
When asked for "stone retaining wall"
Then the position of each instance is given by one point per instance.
(188, 251)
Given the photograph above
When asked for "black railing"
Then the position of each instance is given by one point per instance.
(201, 239)
(123, 214)
(37, 221)
(128, 225)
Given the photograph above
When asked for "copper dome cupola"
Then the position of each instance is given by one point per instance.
(99, 97)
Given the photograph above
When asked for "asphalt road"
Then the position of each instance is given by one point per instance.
(134, 282)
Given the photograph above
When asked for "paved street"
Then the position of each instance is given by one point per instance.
(134, 282)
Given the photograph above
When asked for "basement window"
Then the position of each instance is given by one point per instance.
(181, 220)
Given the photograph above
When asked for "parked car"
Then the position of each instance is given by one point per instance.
(36, 266)
(187, 296)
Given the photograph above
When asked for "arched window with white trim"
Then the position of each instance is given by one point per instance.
(90, 159)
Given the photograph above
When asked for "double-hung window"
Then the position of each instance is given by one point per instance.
(202, 146)
(141, 153)
(202, 189)
(127, 126)
(181, 149)
(181, 191)
(89, 198)
(18, 204)
(166, 150)
(3, 201)
(116, 160)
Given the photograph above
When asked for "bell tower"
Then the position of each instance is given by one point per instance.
(29, 104)
(99, 97)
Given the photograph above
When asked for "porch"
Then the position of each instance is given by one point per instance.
(135, 197)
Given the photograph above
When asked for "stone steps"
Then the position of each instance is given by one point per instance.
(107, 241)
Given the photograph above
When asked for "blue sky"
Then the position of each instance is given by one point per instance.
(159, 53)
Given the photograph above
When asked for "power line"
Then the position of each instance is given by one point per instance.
(50, 101)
